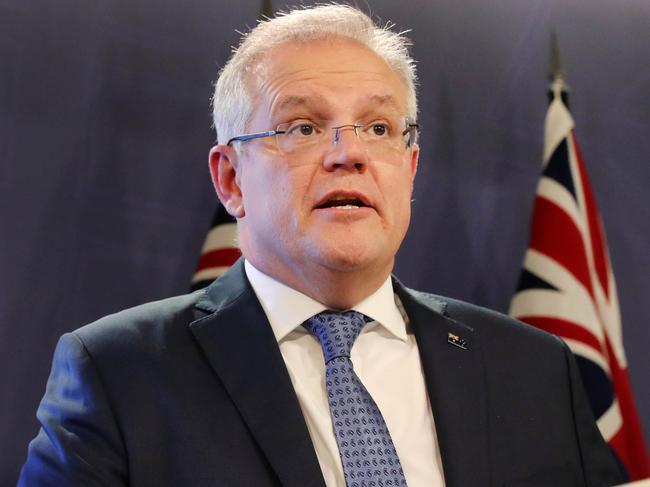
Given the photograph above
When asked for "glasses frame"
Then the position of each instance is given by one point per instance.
(411, 129)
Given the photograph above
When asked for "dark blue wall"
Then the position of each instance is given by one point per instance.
(104, 132)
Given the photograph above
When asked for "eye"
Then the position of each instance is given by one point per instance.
(302, 129)
(377, 130)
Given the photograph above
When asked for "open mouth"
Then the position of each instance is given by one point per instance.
(343, 203)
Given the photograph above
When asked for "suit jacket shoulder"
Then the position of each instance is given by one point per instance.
(506, 397)
(190, 390)
(492, 322)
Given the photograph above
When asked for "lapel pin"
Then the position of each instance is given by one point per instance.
(456, 341)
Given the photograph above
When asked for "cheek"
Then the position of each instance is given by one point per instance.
(397, 190)
(255, 182)
(274, 194)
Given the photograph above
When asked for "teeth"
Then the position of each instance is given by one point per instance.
(344, 202)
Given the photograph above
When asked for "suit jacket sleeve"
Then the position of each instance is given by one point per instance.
(79, 442)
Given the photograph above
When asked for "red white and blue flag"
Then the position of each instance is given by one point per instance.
(567, 288)
(219, 251)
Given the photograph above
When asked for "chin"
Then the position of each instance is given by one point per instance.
(347, 257)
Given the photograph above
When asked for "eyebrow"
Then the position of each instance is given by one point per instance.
(297, 101)
(318, 102)
(385, 100)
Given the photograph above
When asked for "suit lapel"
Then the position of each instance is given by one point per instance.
(455, 382)
(240, 346)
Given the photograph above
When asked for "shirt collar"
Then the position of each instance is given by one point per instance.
(287, 309)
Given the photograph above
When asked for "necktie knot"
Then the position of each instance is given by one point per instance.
(336, 331)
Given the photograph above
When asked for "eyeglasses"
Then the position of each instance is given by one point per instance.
(380, 137)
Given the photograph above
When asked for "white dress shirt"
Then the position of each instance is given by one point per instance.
(386, 359)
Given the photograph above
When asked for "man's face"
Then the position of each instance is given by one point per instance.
(342, 208)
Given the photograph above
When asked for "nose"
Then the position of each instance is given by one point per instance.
(347, 151)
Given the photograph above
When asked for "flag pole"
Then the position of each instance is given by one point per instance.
(558, 86)
(266, 10)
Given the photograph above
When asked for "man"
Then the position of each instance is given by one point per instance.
(315, 117)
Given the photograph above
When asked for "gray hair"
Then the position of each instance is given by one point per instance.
(231, 103)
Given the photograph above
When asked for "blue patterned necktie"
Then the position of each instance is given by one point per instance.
(366, 448)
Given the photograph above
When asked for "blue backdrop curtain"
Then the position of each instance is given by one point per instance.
(105, 196)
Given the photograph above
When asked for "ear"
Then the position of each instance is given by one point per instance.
(415, 155)
(226, 177)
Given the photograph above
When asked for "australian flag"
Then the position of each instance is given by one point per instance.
(567, 288)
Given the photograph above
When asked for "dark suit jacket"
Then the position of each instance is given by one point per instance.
(193, 391)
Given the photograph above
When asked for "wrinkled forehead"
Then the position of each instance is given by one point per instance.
(315, 102)
(322, 75)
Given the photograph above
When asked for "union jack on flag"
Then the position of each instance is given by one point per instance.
(567, 288)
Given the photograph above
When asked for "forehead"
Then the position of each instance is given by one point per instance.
(327, 75)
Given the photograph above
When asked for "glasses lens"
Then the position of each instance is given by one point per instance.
(380, 135)
(385, 134)
(300, 135)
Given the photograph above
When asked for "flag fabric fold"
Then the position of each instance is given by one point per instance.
(219, 251)
(567, 288)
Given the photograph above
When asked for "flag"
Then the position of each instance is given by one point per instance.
(567, 287)
(219, 249)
